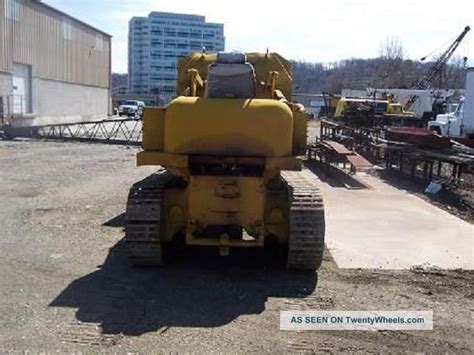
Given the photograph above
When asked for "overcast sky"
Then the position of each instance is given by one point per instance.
(319, 31)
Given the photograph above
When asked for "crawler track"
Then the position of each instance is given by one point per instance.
(307, 226)
(143, 220)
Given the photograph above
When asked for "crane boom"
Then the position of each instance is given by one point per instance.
(426, 81)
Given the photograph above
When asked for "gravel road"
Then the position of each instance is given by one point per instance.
(65, 284)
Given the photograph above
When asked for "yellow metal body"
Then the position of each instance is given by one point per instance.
(264, 64)
(228, 127)
(227, 155)
(396, 110)
(385, 106)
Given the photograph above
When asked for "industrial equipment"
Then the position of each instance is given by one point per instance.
(330, 104)
(427, 80)
(231, 146)
(370, 112)
(427, 104)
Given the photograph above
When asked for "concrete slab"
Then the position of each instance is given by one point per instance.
(383, 227)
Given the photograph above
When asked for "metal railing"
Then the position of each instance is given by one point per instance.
(11, 106)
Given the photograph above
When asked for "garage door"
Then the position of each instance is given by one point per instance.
(21, 88)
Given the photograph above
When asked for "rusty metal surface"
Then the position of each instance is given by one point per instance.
(359, 162)
(400, 149)
(338, 147)
(468, 142)
(338, 153)
(418, 136)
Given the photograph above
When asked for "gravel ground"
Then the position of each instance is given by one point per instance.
(66, 286)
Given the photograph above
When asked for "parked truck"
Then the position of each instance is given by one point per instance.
(459, 123)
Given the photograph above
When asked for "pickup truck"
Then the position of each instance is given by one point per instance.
(131, 108)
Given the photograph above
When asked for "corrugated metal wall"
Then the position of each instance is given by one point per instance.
(56, 46)
(5, 41)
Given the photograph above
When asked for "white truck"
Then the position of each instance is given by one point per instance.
(459, 123)
(131, 108)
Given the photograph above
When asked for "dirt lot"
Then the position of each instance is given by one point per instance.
(65, 284)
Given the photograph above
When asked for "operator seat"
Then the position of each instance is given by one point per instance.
(231, 76)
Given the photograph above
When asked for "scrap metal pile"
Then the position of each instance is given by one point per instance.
(416, 151)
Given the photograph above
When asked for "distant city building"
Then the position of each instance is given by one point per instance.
(53, 68)
(157, 42)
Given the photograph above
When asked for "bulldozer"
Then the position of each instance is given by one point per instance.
(230, 148)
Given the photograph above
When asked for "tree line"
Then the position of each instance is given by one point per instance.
(363, 73)
(389, 70)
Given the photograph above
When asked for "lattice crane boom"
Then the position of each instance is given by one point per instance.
(426, 81)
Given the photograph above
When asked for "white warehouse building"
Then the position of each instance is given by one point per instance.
(53, 67)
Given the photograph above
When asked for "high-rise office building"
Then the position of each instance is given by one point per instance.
(157, 42)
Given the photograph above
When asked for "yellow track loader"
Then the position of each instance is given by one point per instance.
(230, 145)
